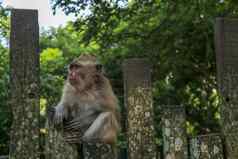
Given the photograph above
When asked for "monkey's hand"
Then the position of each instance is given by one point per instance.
(59, 114)
(50, 114)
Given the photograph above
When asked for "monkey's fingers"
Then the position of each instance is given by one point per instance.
(58, 118)
(73, 137)
(72, 134)
(50, 114)
(72, 126)
(83, 120)
(51, 110)
(75, 121)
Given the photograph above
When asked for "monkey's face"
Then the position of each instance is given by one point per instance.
(83, 77)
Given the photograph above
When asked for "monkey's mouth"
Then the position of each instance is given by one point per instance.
(77, 84)
(74, 82)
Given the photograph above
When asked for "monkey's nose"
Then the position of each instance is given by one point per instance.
(73, 76)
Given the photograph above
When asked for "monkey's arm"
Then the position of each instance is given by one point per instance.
(62, 108)
(103, 129)
(60, 113)
(57, 114)
(82, 122)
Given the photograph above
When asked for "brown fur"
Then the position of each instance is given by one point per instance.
(87, 89)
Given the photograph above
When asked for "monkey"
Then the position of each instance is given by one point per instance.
(88, 97)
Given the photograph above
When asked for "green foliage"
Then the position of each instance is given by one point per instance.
(52, 74)
(5, 116)
(66, 40)
(4, 23)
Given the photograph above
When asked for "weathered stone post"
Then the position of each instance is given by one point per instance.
(174, 132)
(206, 147)
(226, 41)
(56, 147)
(138, 100)
(24, 84)
(98, 151)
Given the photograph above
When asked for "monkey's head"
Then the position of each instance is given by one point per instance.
(84, 72)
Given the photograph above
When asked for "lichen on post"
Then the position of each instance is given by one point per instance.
(56, 147)
(139, 105)
(231, 145)
(206, 147)
(98, 151)
(24, 84)
(174, 132)
(226, 41)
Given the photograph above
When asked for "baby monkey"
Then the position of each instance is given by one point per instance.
(89, 99)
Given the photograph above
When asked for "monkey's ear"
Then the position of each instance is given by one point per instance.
(99, 67)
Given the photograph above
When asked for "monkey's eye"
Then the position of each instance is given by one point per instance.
(99, 67)
(74, 66)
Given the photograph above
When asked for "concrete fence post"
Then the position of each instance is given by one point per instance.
(24, 84)
(174, 132)
(226, 42)
(139, 105)
(206, 147)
